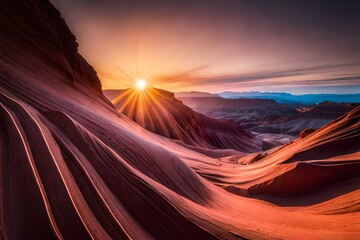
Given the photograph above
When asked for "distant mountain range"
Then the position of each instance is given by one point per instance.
(288, 98)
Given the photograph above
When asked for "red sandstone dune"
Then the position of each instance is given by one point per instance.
(160, 112)
(72, 167)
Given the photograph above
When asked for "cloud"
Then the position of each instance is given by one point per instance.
(341, 74)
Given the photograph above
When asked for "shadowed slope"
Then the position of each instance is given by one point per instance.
(160, 112)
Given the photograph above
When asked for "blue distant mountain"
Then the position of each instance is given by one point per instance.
(288, 98)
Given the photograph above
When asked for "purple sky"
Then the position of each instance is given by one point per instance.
(217, 45)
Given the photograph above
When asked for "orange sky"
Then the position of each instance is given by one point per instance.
(223, 45)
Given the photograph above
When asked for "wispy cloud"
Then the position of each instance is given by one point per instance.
(333, 74)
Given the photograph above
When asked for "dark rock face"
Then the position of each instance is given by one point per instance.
(32, 34)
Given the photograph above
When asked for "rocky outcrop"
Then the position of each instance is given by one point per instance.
(160, 112)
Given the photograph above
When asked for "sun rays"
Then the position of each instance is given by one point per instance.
(143, 106)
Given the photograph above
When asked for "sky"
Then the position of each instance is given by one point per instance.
(307, 46)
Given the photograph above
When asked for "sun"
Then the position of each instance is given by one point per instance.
(141, 84)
